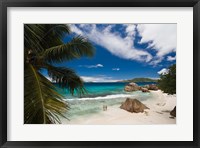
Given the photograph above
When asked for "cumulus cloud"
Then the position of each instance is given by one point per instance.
(163, 71)
(91, 66)
(130, 29)
(170, 58)
(112, 41)
(99, 78)
(116, 69)
(161, 37)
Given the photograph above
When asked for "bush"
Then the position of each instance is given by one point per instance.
(167, 82)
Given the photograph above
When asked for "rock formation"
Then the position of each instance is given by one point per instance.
(144, 89)
(131, 87)
(152, 87)
(134, 87)
(133, 105)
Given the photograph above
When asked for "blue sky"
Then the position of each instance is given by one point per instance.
(124, 51)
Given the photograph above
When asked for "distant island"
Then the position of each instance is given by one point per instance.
(141, 80)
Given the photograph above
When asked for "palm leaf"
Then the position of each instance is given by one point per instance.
(76, 48)
(32, 36)
(66, 78)
(54, 34)
(39, 37)
(42, 104)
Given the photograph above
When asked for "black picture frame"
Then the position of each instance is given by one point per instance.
(4, 4)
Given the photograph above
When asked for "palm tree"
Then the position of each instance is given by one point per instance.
(43, 47)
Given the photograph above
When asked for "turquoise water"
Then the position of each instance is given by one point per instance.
(99, 94)
(95, 90)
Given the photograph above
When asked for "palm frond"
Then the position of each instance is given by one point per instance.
(42, 104)
(32, 36)
(39, 37)
(66, 78)
(76, 48)
(54, 34)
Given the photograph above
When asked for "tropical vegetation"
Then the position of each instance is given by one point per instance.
(167, 81)
(43, 48)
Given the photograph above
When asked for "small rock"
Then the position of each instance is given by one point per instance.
(173, 112)
(144, 89)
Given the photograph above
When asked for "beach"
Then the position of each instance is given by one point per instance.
(159, 106)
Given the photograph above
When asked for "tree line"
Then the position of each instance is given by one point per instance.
(167, 82)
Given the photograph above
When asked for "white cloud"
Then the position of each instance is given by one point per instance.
(170, 58)
(112, 41)
(92, 66)
(161, 37)
(76, 30)
(163, 71)
(116, 69)
(130, 29)
(99, 78)
(156, 60)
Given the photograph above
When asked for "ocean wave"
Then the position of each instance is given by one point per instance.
(114, 96)
(97, 95)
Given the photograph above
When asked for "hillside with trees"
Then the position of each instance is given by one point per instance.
(141, 80)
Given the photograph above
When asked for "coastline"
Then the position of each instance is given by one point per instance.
(159, 113)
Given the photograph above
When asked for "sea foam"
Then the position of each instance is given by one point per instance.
(105, 97)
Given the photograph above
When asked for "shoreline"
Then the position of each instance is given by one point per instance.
(159, 113)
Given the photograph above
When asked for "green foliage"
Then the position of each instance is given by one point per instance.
(42, 103)
(78, 47)
(66, 78)
(44, 46)
(141, 80)
(167, 82)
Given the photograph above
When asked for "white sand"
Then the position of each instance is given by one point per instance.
(157, 114)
